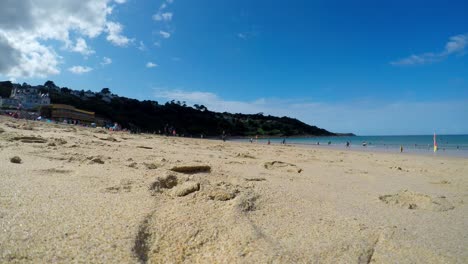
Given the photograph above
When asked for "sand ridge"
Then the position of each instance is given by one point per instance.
(88, 195)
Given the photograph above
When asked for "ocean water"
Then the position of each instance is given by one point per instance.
(447, 144)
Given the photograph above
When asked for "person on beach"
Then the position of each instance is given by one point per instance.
(268, 142)
(284, 141)
(251, 140)
(401, 148)
(347, 144)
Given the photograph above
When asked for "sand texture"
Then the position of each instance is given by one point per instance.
(82, 195)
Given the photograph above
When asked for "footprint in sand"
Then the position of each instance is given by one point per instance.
(282, 166)
(188, 231)
(124, 186)
(245, 155)
(441, 182)
(56, 171)
(223, 191)
(31, 139)
(411, 200)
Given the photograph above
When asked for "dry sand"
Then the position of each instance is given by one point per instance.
(84, 195)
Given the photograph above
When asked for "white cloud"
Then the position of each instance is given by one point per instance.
(163, 16)
(22, 56)
(120, 1)
(165, 4)
(361, 117)
(106, 61)
(455, 46)
(242, 36)
(157, 44)
(164, 34)
(79, 69)
(114, 34)
(82, 47)
(27, 26)
(142, 46)
(151, 65)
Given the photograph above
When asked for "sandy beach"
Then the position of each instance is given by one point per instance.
(83, 195)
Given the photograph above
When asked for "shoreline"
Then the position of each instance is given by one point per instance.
(372, 148)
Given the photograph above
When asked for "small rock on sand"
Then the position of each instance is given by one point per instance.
(15, 159)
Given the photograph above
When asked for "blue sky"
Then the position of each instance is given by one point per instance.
(369, 68)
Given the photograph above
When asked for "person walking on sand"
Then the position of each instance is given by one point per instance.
(401, 148)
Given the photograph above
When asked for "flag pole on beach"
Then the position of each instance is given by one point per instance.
(435, 143)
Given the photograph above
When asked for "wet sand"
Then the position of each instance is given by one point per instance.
(89, 196)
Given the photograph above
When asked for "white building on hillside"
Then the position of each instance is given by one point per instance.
(29, 97)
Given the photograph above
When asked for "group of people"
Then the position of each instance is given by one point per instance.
(169, 130)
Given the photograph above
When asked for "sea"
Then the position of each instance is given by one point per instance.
(450, 145)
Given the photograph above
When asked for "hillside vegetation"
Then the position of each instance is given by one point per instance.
(150, 116)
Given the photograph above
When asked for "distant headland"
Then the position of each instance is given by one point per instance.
(150, 116)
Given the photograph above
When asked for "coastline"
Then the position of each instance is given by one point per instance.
(90, 195)
(408, 149)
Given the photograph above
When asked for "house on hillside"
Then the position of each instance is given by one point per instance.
(9, 103)
(28, 97)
